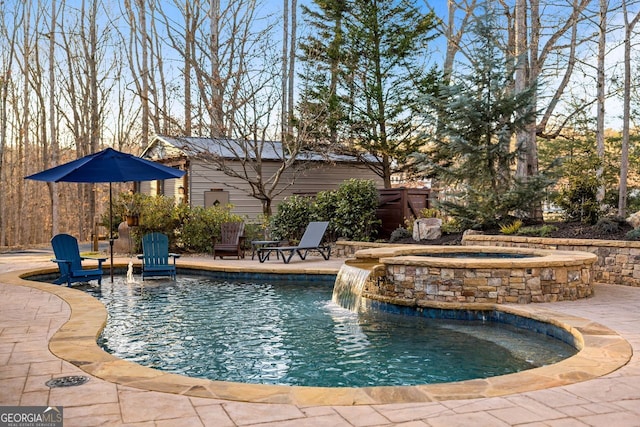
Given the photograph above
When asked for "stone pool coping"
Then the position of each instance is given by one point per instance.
(409, 254)
(603, 352)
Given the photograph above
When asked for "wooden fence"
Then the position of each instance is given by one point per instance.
(397, 204)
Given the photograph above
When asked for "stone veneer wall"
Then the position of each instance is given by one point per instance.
(403, 275)
(618, 261)
(486, 285)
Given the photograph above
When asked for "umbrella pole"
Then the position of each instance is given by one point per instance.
(111, 231)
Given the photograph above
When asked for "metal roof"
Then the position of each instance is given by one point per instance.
(232, 149)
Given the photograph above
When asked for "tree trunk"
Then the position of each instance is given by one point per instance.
(94, 130)
(602, 40)
(284, 116)
(292, 65)
(521, 82)
(144, 73)
(626, 108)
(189, 39)
(53, 134)
(217, 92)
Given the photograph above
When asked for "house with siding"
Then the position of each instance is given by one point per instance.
(206, 183)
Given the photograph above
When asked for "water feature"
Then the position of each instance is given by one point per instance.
(350, 282)
(130, 278)
(289, 332)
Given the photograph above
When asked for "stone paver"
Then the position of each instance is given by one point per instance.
(30, 317)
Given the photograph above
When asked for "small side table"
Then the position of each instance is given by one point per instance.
(257, 244)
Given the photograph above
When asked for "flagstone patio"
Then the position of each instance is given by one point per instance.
(30, 317)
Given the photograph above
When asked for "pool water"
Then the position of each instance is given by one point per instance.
(498, 255)
(290, 333)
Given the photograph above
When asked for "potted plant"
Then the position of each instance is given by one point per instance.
(132, 203)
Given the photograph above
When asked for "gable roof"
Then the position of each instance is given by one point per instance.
(164, 147)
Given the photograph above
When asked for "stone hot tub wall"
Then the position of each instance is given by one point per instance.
(403, 277)
(618, 261)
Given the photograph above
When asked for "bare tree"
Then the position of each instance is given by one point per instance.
(289, 28)
(535, 43)
(85, 85)
(453, 34)
(138, 59)
(53, 129)
(600, 95)
(241, 83)
(8, 35)
(24, 141)
(285, 127)
(629, 25)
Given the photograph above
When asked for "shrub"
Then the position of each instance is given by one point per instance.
(293, 215)
(430, 213)
(578, 199)
(199, 225)
(399, 234)
(323, 208)
(451, 226)
(608, 225)
(355, 215)
(511, 228)
(541, 231)
(350, 210)
(324, 205)
(611, 224)
(633, 234)
(159, 213)
(189, 229)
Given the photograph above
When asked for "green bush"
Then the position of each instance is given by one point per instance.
(579, 203)
(541, 231)
(633, 234)
(355, 216)
(511, 228)
(578, 198)
(293, 215)
(189, 229)
(399, 234)
(159, 213)
(610, 224)
(323, 208)
(350, 210)
(200, 225)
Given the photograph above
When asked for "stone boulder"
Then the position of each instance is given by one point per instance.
(634, 219)
(427, 229)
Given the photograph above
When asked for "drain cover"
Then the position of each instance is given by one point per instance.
(67, 381)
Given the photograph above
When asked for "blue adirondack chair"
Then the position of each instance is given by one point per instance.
(67, 256)
(155, 256)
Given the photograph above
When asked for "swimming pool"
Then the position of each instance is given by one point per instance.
(289, 332)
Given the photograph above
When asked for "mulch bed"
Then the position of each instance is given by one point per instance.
(566, 230)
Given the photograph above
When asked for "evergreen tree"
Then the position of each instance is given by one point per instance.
(365, 67)
(473, 122)
(321, 108)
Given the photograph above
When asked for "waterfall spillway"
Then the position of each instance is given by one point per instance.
(350, 281)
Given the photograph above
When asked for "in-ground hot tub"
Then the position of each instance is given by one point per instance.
(420, 274)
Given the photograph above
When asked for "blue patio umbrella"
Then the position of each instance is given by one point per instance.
(108, 165)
